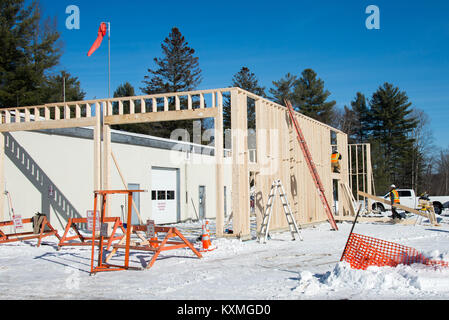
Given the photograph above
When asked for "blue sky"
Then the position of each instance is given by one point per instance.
(411, 49)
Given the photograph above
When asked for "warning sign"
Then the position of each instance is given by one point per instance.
(17, 220)
(150, 228)
(90, 221)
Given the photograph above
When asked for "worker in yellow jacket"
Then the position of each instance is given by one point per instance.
(335, 161)
(394, 198)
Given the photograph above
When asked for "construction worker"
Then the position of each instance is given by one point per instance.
(335, 161)
(394, 198)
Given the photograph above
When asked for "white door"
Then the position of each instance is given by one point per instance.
(164, 195)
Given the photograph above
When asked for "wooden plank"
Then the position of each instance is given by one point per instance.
(67, 112)
(154, 104)
(27, 115)
(219, 168)
(107, 164)
(399, 206)
(97, 148)
(57, 114)
(49, 124)
(377, 220)
(120, 107)
(132, 107)
(162, 116)
(77, 111)
(143, 106)
(178, 103)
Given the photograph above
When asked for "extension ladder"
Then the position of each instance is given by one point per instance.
(263, 234)
(311, 166)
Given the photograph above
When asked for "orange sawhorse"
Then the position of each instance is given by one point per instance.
(87, 241)
(6, 238)
(157, 246)
(102, 265)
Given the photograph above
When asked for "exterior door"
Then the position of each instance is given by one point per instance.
(136, 199)
(202, 202)
(164, 195)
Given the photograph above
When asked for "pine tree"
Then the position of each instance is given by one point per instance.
(29, 49)
(246, 80)
(127, 90)
(177, 70)
(283, 89)
(53, 89)
(347, 122)
(390, 126)
(309, 98)
(360, 123)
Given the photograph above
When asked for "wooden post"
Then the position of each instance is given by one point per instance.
(219, 167)
(107, 159)
(261, 152)
(240, 178)
(97, 148)
(369, 174)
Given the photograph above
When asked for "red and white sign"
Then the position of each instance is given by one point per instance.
(90, 221)
(17, 220)
(150, 229)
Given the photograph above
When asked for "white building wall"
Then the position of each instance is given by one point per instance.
(53, 174)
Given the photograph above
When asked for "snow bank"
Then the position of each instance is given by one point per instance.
(415, 279)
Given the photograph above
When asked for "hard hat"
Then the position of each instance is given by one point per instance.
(392, 186)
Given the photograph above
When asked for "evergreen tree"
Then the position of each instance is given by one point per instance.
(390, 126)
(347, 122)
(53, 89)
(127, 90)
(124, 90)
(283, 89)
(29, 48)
(360, 122)
(246, 80)
(177, 70)
(309, 98)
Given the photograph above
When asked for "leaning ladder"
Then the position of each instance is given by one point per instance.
(263, 234)
(311, 165)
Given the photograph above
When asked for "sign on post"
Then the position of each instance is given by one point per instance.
(90, 221)
(17, 220)
(150, 229)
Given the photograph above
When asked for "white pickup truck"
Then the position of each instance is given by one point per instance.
(409, 199)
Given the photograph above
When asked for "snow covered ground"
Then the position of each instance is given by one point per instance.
(281, 269)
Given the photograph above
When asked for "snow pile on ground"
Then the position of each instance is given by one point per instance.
(281, 269)
(375, 281)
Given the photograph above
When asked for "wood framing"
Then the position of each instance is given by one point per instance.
(278, 155)
(361, 172)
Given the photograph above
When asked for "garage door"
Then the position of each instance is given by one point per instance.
(164, 195)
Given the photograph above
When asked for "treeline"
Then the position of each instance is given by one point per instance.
(399, 133)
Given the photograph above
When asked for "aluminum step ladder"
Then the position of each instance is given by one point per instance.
(263, 234)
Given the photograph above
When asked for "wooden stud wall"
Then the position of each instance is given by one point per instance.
(282, 150)
(278, 153)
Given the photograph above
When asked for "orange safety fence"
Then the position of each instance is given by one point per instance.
(363, 251)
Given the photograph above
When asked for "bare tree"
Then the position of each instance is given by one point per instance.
(423, 151)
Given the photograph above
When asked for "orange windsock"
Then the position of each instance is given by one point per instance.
(101, 33)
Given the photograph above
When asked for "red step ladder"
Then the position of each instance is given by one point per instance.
(311, 165)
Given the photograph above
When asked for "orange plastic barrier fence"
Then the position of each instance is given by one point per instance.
(363, 251)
